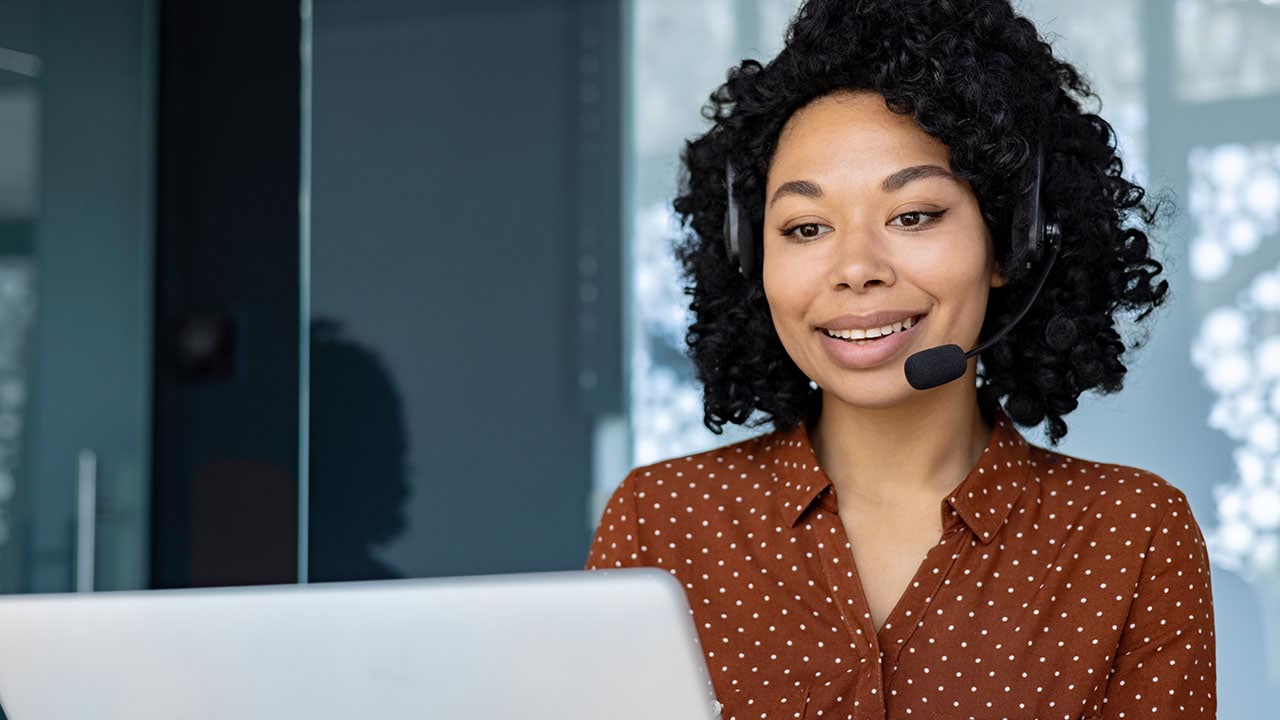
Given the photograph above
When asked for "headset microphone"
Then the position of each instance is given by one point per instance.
(939, 365)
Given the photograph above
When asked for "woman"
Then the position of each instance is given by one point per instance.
(887, 551)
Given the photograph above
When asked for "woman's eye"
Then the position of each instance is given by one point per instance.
(913, 221)
(919, 219)
(803, 231)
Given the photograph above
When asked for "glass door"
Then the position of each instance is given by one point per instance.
(75, 293)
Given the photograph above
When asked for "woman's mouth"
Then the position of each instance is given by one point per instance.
(866, 337)
(858, 349)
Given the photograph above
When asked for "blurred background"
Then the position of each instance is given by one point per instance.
(355, 289)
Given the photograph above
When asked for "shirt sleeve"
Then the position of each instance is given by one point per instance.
(617, 538)
(1166, 662)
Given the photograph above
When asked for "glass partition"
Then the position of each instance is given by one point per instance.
(462, 256)
(75, 309)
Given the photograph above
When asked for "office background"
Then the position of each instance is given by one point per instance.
(355, 289)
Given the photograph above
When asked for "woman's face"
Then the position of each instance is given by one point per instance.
(864, 217)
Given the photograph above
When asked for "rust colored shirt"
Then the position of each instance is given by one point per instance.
(1060, 588)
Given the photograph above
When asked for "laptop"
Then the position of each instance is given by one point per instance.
(571, 645)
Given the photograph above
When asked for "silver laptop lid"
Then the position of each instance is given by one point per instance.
(572, 645)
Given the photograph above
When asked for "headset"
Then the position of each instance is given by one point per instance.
(1033, 237)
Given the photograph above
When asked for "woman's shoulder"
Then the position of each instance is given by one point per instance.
(1071, 480)
(740, 468)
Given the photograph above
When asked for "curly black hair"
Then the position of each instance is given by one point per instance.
(978, 77)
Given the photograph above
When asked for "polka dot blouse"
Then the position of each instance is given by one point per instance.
(1059, 588)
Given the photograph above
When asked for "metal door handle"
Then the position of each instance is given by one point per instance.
(86, 519)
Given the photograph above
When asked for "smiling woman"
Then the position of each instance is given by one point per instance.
(890, 242)
(945, 102)
(893, 552)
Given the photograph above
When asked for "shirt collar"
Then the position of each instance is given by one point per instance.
(981, 501)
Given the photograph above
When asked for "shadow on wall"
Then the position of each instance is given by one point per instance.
(359, 459)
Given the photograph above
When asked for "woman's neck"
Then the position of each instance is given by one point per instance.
(884, 457)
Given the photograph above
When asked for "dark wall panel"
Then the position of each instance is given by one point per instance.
(226, 400)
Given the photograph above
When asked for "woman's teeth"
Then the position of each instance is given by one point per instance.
(863, 337)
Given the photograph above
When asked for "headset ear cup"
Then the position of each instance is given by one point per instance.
(739, 232)
(731, 219)
(1028, 218)
(728, 238)
(1048, 237)
(748, 250)
(1035, 238)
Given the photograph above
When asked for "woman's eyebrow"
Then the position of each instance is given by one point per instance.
(916, 172)
(896, 181)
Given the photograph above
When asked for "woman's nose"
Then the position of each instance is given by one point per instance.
(860, 260)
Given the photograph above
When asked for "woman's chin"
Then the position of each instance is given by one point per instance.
(870, 392)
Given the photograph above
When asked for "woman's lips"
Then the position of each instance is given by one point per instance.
(850, 354)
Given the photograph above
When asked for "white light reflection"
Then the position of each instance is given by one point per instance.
(1235, 197)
